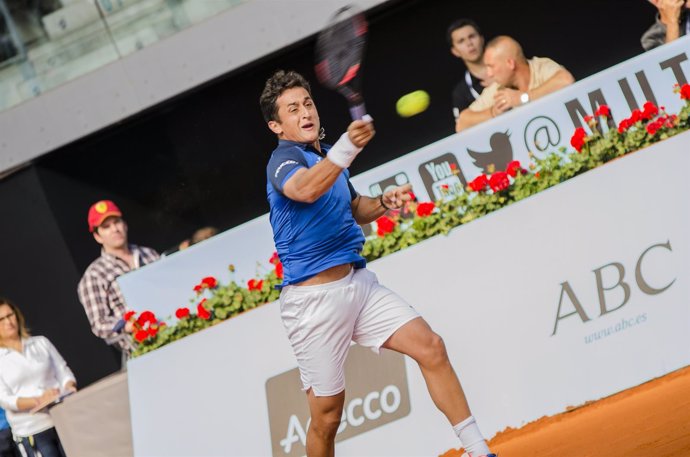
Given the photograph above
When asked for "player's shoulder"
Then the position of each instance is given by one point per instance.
(287, 152)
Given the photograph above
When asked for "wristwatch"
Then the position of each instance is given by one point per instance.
(524, 98)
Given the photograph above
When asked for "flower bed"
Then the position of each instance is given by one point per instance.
(600, 142)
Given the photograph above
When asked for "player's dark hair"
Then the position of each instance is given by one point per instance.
(275, 86)
(458, 24)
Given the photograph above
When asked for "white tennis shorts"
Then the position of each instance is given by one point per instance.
(322, 320)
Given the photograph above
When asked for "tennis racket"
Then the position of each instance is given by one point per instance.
(339, 52)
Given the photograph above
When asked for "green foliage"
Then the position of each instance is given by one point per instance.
(222, 301)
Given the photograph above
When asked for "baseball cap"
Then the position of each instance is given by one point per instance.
(99, 211)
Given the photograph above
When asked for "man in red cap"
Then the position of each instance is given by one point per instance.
(98, 289)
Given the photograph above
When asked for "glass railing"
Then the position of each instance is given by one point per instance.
(45, 43)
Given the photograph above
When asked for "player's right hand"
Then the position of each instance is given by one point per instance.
(361, 132)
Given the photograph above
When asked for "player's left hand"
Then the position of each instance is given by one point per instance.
(396, 197)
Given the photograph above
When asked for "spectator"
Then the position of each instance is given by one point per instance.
(98, 290)
(7, 447)
(517, 81)
(32, 373)
(199, 235)
(467, 43)
(672, 22)
(204, 233)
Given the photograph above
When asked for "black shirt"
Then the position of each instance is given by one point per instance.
(462, 94)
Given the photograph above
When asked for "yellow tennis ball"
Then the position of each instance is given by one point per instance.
(413, 103)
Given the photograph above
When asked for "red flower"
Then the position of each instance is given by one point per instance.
(499, 181)
(444, 186)
(670, 121)
(209, 282)
(254, 284)
(128, 315)
(141, 335)
(153, 330)
(635, 116)
(413, 197)
(385, 225)
(603, 111)
(181, 313)
(279, 270)
(588, 119)
(650, 110)
(425, 209)
(275, 260)
(513, 168)
(624, 125)
(536, 175)
(146, 316)
(685, 92)
(578, 139)
(198, 288)
(479, 183)
(453, 166)
(202, 312)
(654, 127)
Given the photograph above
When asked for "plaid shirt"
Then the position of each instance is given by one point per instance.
(101, 297)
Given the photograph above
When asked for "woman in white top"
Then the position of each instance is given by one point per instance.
(32, 373)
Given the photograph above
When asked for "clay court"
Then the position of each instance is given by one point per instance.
(652, 419)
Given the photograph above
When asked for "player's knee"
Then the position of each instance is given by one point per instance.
(435, 354)
(326, 425)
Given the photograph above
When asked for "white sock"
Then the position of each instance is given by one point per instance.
(471, 438)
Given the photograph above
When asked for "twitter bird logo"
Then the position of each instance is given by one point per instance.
(498, 158)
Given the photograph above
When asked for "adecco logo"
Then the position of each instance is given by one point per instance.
(376, 394)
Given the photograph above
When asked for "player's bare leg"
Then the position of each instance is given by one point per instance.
(417, 340)
(326, 413)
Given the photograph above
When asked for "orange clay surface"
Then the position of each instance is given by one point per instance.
(652, 419)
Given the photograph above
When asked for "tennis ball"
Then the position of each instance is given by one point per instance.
(413, 103)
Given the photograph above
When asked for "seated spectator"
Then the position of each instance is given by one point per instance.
(517, 81)
(32, 373)
(98, 290)
(672, 22)
(7, 447)
(199, 235)
(204, 233)
(467, 44)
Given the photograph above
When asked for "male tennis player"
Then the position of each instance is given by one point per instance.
(328, 297)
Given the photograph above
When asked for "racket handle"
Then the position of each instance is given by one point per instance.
(358, 111)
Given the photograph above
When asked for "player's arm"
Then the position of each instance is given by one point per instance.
(309, 184)
(367, 209)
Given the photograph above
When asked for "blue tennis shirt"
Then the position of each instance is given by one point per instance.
(311, 237)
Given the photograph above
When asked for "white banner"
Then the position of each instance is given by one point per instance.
(541, 127)
(568, 296)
